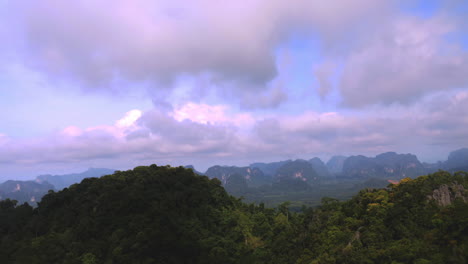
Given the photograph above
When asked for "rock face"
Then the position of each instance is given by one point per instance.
(24, 191)
(253, 176)
(400, 165)
(320, 167)
(269, 169)
(388, 165)
(446, 194)
(335, 164)
(361, 167)
(236, 184)
(457, 160)
(300, 170)
(63, 181)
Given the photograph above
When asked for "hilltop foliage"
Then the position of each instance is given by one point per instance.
(159, 214)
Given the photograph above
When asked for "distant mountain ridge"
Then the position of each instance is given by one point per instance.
(24, 191)
(286, 175)
(63, 181)
(320, 167)
(386, 165)
(298, 169)
(335, 164)
(457, 160)
(269, 168)
(32, 191)
(258, 174)
(253, 176)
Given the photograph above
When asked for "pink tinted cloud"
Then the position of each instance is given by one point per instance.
(215, 114)
(164, 138)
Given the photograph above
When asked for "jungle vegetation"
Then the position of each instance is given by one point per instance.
(161, 214)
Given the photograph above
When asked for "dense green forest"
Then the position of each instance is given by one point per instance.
(160, 214)
(298, 193)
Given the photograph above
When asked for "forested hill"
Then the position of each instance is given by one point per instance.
(170, 215)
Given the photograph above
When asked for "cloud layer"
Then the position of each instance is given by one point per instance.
(361, 76)
(408, 59)
(155, 136)
(103, 43)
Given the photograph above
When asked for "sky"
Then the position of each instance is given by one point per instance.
(123, 83)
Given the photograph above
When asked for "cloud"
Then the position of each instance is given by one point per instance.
(185, 132)
(143, 41)
(201, 113)
(329, 133)
(444, 119)
(152, 136)
(403, 74)
(408, 59)
(3, 139)
(211, 114)
(435, 123)
(270, 98)
(323, 73)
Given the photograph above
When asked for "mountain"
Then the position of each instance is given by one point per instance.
(335, 164)
(386, 165)
(145, 215)
(194, 170)
(433, 167)
(300, 170)
(400, 165)
(155, 214)
(236, 184)
(457, 160)
(63, 181)
(253, 176)
(319, 167)
(24, 191)
(361, 167)
(405, 223)
(33, 191)
(269, 169)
